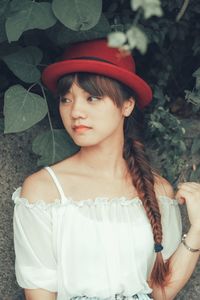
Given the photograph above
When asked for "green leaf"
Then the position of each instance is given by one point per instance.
(62, 35)
(196, 145)
(193, 97)
(116, 39)
(6, 49)
(182, 146)
(22, 109)
(195, 175)
(197, 85)
(150, 7)
(23, 63)
(137, 39)
(53, 146)
(16, 5)
(28, 15)
(158, 125)
(196, 73)
(78, 14)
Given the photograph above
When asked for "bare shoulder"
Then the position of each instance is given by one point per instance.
(163, 187)
(37, 186)
(40, 186)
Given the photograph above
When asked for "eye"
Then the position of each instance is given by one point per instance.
(64, 100)
(94, 98)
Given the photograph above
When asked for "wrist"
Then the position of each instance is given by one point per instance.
(195, 229)
(193, 250)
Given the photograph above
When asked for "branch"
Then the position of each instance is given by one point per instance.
(182, 10)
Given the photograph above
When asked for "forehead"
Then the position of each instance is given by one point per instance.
(75, 88)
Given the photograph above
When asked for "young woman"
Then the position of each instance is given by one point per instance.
(102, 224)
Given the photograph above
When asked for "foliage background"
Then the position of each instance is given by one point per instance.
(164, 37)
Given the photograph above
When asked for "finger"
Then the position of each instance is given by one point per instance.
(183, 196)
(184, 193)
(195, 184)
(189, 187)
(179, 198)
(181, 201)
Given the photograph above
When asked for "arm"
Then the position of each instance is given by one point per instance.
(35, 263)
(39, 294)
(182, 263)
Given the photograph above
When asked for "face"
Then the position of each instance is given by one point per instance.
(90, 119)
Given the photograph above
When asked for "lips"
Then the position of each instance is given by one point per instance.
(80, 128)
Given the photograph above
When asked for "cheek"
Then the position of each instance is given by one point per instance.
(64, 115)
(110, 122)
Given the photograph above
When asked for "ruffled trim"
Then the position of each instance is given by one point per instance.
(39, 203)
(89, 202)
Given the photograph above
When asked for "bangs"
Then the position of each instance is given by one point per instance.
(96, 85)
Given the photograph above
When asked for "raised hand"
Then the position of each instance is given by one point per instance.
(189, 193)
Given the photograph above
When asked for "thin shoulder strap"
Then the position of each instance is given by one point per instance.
(57, 183)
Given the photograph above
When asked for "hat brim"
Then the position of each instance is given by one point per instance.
(53, 72)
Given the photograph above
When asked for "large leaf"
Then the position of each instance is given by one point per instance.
(78, 14)
(22, 109)
(53, 146)
(23, 63)
(27, 15)
(62, 35)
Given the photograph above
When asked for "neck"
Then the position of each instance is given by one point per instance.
(105, 159)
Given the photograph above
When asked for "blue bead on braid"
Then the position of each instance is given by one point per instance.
(158, 247)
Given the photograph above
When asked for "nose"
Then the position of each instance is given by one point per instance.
(78, 109)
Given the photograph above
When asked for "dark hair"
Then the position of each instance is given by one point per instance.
(142, 174)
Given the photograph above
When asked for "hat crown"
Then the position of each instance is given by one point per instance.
(96, 57)
(99, 50)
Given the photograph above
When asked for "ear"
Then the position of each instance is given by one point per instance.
(128, 107)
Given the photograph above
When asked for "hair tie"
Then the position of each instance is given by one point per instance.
(158, 247)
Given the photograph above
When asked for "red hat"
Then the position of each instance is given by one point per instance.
(97, 57)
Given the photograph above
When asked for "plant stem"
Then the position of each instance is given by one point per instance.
(49, 119)
(137, 17)
(182, 10)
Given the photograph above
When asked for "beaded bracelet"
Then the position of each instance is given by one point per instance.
(186, 246)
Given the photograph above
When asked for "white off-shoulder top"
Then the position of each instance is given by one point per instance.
(99, 248)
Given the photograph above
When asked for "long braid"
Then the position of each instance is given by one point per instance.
(143, 179)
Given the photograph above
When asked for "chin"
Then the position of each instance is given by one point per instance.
(85, 143)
